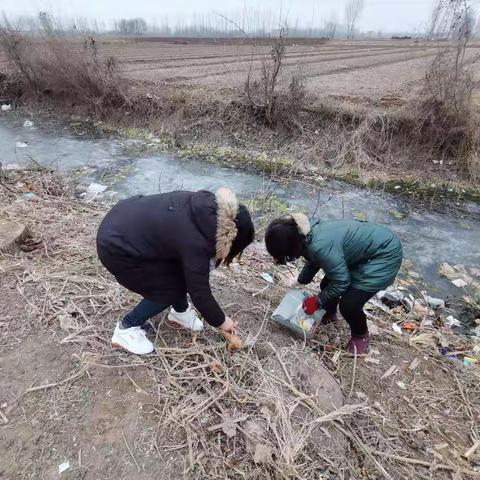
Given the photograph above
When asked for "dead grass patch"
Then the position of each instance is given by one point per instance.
(248, 415)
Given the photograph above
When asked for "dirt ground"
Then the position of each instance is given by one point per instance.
(191, 410)
(370, 69)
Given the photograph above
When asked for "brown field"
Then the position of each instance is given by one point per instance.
(355, 70)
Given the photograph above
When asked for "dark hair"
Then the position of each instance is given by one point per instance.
(283, 240)
(245, 234)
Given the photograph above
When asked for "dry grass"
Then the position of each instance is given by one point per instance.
(55, 66)
(221, 412)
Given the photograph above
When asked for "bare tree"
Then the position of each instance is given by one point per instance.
(331, 26)
(435, 17)
(353, 10)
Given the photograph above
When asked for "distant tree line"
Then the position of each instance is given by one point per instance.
(252, 23)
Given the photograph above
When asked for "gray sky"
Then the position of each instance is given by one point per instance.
(385, 15)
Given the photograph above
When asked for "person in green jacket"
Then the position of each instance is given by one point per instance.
(359, 259)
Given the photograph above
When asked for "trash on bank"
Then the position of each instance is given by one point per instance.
(6, 108)
(63, 467)
(434, 302)
(93, 191)
(27, 124)
(409, 326)
(21, 145)
(468, 361)
(267, 277)
(29, 196)
(451, 321)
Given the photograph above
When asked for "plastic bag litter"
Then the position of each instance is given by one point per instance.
(290, 314)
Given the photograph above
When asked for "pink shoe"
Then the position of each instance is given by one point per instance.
(359, 345)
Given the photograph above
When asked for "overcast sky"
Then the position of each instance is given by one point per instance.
(385, 15)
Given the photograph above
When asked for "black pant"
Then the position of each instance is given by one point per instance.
(147, 309)
(351, 305)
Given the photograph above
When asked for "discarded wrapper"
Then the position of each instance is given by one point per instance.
(234, 342)
(290, 314)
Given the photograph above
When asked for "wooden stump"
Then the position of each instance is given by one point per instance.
(11, 236)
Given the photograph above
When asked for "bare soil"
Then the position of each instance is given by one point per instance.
(184, 411)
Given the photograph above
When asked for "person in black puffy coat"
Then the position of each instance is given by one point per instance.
(163, 247)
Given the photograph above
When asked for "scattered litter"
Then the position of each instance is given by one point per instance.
(93, 190)
(389, 372)
(28, 124)
(434, 302)
(63, 467)
(458, 282)
(397, 328)
(11, 166)
(359, 216)
(267, 277)
(446, 270)
(472, 450)
(396, 214)
(336, 356)
(96, 188)
(419, 310)
(451, 321)
(29, 196)
(409, 326)
(401, 385)
(21, 145)
(67, 322)
(6, 108)
(467, 361)
(428, 339)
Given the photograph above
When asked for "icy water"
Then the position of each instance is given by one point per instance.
(429, 237)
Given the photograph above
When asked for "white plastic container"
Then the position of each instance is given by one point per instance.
(290, 314)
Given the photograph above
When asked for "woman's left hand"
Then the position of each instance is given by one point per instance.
(228, 325)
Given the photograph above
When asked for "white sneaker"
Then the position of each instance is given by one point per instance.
(132, 339)
(188, 319)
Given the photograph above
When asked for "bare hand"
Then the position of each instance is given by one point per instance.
(293, 283)
(229, 325)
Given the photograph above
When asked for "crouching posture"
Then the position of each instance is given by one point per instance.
(358, 258)
(163, 247)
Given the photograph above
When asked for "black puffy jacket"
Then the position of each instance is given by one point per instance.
(161, 246)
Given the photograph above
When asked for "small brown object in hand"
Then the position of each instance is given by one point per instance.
(234, 342)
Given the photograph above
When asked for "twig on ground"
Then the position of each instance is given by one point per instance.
(130, 450)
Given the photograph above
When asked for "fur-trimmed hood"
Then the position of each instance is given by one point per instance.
(302, 222)
(227, 211)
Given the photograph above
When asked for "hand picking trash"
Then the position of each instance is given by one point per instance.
(358, 258)
(163, 248)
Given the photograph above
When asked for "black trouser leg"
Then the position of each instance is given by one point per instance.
(331, 305)
(147, 309)
(351, 308)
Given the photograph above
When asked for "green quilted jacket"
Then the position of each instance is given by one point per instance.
(352, 253)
